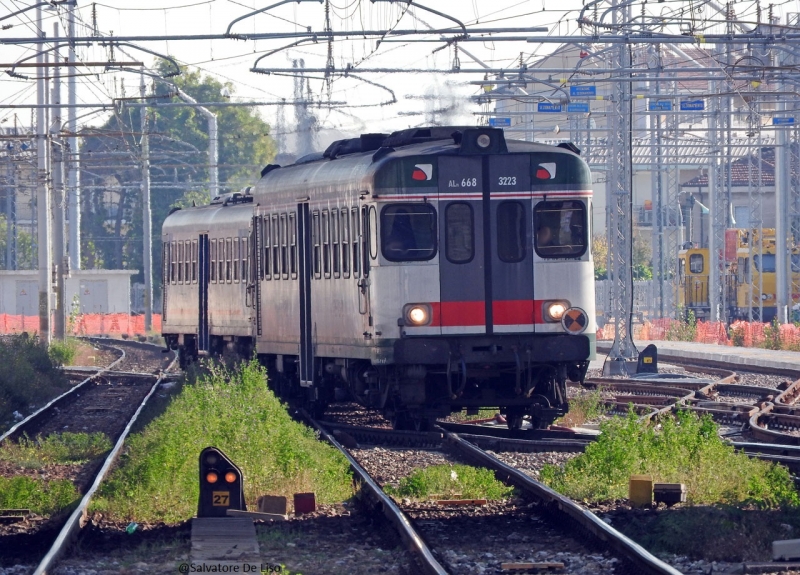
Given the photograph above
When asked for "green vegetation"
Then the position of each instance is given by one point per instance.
(30, 377)
(449, 481)
(685, 329)
(233, 410)
(42, 497)
(588, 406)
(59, 448)
(685, 449)
(642, 257)
(63, 352)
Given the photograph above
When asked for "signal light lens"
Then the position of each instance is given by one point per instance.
(212, 477)
(230, 477)
(554, 310)
(417, 314)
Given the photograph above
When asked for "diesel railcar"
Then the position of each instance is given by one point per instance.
(420, 273)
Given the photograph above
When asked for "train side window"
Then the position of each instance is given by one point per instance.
(696, 263)
(315, 240)
(561, 229)
(267, 239)
(293, 245)
(213, 273)
(276, 246)
(335, 243)
(187, 263)
(228, 254)
(194, 261)
(326, 243)
(245, 259)
(180, 262)
(408, 232)
(284, 248)
(459, 242)
(172, 262)
(236, 257)
(345, 229)
(356, 242)
(165, 263)
(365, 233)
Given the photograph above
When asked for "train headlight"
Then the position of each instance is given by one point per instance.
(554, 310)
(483, 141)
(417, 314)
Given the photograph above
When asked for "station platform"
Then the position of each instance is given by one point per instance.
(750, 358)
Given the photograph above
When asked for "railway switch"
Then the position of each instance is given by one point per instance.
(221, 485)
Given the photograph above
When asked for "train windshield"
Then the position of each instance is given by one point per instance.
(764, 263)
(560, 229)
(408, 232)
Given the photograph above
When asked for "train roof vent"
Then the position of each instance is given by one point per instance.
(364, 143)
(268, 168)
(312, 157)
(420, 135)
(237, 198)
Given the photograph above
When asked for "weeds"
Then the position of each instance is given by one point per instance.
(63, 352)
(233, 410)
(772, 335)
(685, 329)
(448, 481)
(30, 377)
(583, 408)
(41, 497)
(686, 449)
(59, 448)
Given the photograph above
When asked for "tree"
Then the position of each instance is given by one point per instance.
(111, 167)
(642, 257)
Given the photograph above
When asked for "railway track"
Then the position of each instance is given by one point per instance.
(527, 526)
(109, 401)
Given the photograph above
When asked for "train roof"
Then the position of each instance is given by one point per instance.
(349, 165)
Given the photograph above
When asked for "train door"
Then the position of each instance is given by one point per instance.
(256, 267)
(202, 287)
(486, 260)
(304, 274)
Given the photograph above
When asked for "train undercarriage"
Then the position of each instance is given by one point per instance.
(506, 374)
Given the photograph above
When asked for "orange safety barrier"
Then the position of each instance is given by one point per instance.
(84, 324)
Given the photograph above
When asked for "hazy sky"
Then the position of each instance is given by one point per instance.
(230, 60)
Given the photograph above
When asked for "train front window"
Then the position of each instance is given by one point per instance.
(764, 263)
(408, 232)
(696, 263)
(561, 230)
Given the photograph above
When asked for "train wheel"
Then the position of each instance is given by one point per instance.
(514, 417)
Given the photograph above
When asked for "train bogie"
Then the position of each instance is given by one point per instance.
(421, 273)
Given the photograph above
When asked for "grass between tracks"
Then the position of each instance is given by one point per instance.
(233, 410)
(683, 448)
(450, 481)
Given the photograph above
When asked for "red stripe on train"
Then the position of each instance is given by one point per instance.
(473, 313)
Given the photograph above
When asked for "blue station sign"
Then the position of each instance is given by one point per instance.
(693, 105)
(660, 106)
(578, 107)
(783, 121)
(548, 108)
(583, 91)
(500, 122)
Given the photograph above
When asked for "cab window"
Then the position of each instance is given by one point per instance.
(408, 232)
(561, 229)
(696, 263)
(511, 232)
(764, 263)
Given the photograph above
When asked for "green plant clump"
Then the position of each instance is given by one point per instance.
(63, 352)
(233, 410)
(686, 449)
(30, 377)
(41, 497)
(685, 329)
(448, 481)
(588, 406)
(59, 448)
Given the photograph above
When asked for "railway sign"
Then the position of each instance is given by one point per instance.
(221, 485)
(783, 121)
(585, 91)
(548, 108)
(578, 107)
(660, 106)
(500, 122)
(692, 105)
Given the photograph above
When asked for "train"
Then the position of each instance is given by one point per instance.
(420, 273)
(748, 279)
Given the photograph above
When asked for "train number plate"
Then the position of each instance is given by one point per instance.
(220, 498)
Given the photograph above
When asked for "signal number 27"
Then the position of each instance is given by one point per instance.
(220, 498)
